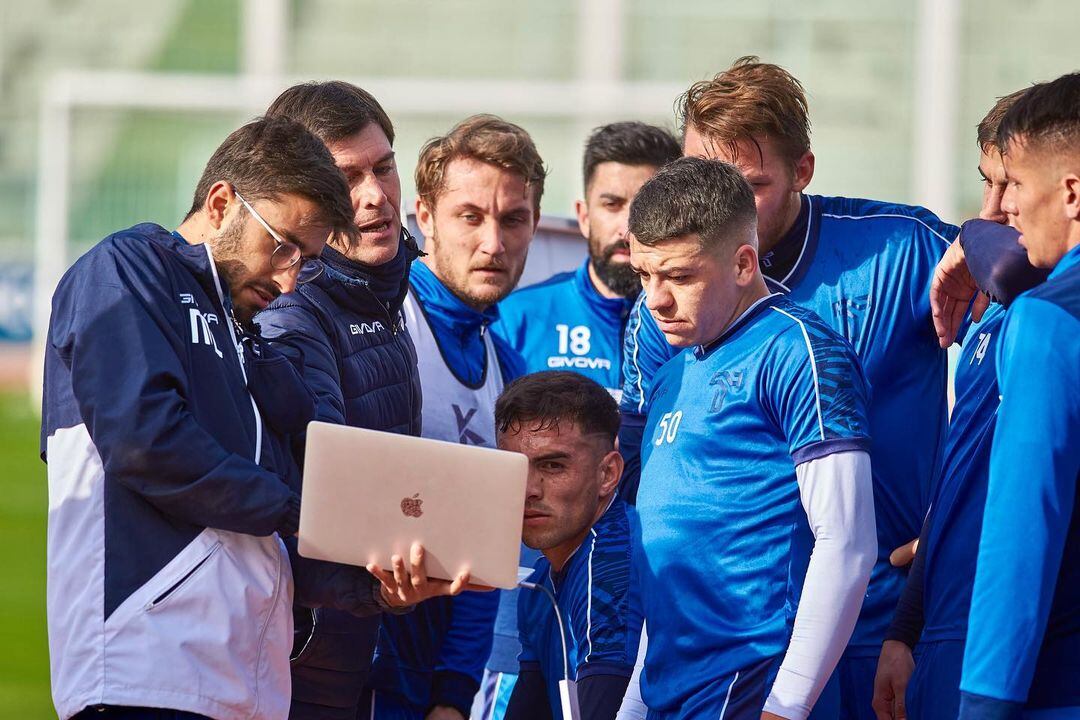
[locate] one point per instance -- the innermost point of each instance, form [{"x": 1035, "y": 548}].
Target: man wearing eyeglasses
[
  {"x": 359, "y": 361},
  {"x": 169, "y": 589}
]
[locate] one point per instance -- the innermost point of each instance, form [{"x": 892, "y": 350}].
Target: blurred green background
[
  {"x": 859, "y": 61},
  {"x": 24, "y": 665}
]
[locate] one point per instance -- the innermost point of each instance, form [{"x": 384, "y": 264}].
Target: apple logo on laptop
[{"x": 410, "y": 507}]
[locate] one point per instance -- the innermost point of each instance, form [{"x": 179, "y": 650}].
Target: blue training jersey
[
  {"x": 599, "y": 603},
  {"x": 956, "y": 509},
  {"x": 725, "y": 540},
  {"x": 564, "y": 323},
  {"x": 1024, "y": 626},
  {"x": 864, "y": 267}
]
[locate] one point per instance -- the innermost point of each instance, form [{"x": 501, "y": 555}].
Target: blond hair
[
  {"x": 750, "y": 100},
  {"x": 485, "y": 138}
]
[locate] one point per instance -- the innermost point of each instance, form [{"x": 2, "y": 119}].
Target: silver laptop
[{"x": 369, "y": 495}]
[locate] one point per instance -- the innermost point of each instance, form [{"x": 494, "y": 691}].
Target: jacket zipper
[
  {"x": 395, "y": 328},
  {"x": 163, "y": 596},
  {"x": 238, "y": 349}
]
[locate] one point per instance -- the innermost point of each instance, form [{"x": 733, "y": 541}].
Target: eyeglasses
[{"x": 286, "y": 254}]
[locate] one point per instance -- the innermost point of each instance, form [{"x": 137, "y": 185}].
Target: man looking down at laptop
[
  {"x": 168, "y": 505},
  {"x": 479, "y": 190},
  {"x": 755, "y": 453},
  {"x": 566, "y": 425}
]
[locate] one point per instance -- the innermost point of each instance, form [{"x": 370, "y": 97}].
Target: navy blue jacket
[
  {"x": 167, "y": 486},
  {"x": 361, "y": 365}
]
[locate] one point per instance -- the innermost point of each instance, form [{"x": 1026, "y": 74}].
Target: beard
[
  {"x": 231, "y": 269},
  {"x": 618, "y": 276}
]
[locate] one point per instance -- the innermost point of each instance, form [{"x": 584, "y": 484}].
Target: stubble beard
[
  {"x": 230, "y": 267},
  {"x": 458, "y": 283}
]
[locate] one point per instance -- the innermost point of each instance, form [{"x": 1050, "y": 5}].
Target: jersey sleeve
[
  {"x": 930, "y": 239},
  {"x": 1034, "y": 465},
  {"x": 529, "y": 656},
  {"x": 631, "y": 432},
  {"x": 645, "y": 350},
  {"x": 816, "y": 391},
  {"x": 605, "y": 623}
]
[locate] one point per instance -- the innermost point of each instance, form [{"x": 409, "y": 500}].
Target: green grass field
[{"x": 24, "y": 662}]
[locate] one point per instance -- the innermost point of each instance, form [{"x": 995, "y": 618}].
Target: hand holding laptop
[
  {"x": 411, "y": 510},
  {"x": 410, "y": 585}
]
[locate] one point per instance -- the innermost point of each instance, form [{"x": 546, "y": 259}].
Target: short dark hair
[
  {"x": 750, "y": 99},
  {"x": 1046, "y": 116},
  {"x": 274, "y": 156},
  {"x": 484, "y": 138},
  {"x": 986, "y": 134},
  {"x": 333, "y": 110},
  {"x": 692, "y": 196},
  {"x": 628, "y": 143},
  {"x": 544, "y": 399}
]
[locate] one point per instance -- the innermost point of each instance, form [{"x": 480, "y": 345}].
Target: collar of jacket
[
  {"x": 445, "y": 309},
  {"x": 194, "y": 257},
  {"x": 358, "y": 286}
]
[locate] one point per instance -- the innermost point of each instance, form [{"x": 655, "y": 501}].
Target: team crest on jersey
[{"x": 724, "y": 384}]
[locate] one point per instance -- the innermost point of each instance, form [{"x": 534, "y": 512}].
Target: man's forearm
[{"x": 837, "y": 494}]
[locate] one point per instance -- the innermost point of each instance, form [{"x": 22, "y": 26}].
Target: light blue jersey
[
  {"x": 599, "y": 604},
  {"x": 1023, "y": 645},
  {"x": 564, "y": 323},
  {"x": 864, "y": 267},
  {"x": 725, "y": 540}
]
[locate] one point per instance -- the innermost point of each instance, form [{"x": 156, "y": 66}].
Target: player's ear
[
  {"x": 1071, "y": 184},
  {"x": 804, "y": 171},
  {"x": 611, "y": 467},
  {"x": 746, "y": 264},
  {"x": 218, "y": 201},
  {"x": 425, "y": 218},
  {"x": 582, "y": 212}
]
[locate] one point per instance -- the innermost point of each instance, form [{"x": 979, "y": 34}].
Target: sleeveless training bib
[{"x": 452, "y": 410}]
